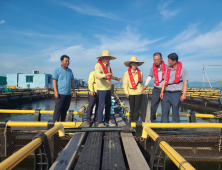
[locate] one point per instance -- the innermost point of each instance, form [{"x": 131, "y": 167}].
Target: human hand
[
  {"x": 73, "y": 94},
  {"x": 56, "y": 94},
  {"x": 182, "y": 98},
  {"x": 144, "y": 89},
  {"x": 161, "y": 95},
  {"x": 119, "y": 79},
  {"x": 92, "y": 93}
]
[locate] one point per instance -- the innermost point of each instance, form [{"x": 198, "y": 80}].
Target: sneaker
[
  {"x": 111, "y": 124},
  {"x": 97, "y": 121},
  {"x": 101, "y": 125},
  {"x": 88, "y": 122}
]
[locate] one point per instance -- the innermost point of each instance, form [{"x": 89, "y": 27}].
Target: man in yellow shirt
[
  {"x": 133, "y": 85},
  {"x": 103, "y": 74},
  {"x": 93, "y": 98}
]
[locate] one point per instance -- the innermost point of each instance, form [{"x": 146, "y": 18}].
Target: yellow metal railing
[
  {"x": 80, "y": 112},
  {"x": 186, "y": 115},
  {"x": 21, "y": 154},
  {"x": 178, "y": 160},
  {"x": 33, "y": 111},
  {"x": 42, "y": 124},
  {"x": 180, "y": 125}
]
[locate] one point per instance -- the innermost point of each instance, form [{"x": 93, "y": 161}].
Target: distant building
[
  {"x": 76, "y": 82},
  {"x": 82, "y": 82},
  {"x": 30, "y": 80}
]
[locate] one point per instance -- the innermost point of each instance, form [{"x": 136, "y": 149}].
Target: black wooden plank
[
  {"x": 134, "y": 156},
  {"x": 67, "y": 157},
  {"x": 91, "y": 153},
  {"x": 112, "y": 152}
]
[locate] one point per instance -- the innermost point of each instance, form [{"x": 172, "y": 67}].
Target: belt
[
  {"x": 174, "y": 91},
  {"x": 157, "y": 87}
]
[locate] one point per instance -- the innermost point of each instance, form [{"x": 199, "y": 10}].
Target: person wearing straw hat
[
  {"x": 103, "y": 74},
  {"x": 133, "y": 85}
]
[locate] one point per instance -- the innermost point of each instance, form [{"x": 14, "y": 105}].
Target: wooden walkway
[{"x": 102, "y": 150}]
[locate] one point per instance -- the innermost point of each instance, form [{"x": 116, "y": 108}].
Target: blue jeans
[
  {"x": 104, "y": 102},
  {"x": 171, "y": 99}
]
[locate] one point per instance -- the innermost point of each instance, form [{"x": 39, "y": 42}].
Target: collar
[
  {"x": 172, "y": 68},
  {"x": 65, "y": 69},
  {"x": 132, "y": 71},
  {"x": 107, "y": 65}
]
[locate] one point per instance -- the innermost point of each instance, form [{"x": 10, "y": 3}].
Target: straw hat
[
  {"x": 133, "y": 60},
  {"x": 105, "y": 53}
]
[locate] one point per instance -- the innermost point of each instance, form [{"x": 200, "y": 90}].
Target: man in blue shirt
[{"x": 63, "y": 79}]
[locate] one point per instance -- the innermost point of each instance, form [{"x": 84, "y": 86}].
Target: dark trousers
[
  {"x": 135, "y": 104},
  {"x": 104, "y": 102},
  {"x": 93, "y": 100},
  {"x": 154, "y": 103},
  {"x": 171, "y": 99},
  {"x": 61, "y": 107}
]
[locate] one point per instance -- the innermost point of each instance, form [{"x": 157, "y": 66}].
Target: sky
[{"x": 34, "y": 34}]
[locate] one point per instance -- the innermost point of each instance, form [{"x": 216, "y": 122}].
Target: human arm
[
  {"x": 142, "y": 80},
  {"x": 73, "y": 87},
  {"x": 162, "y": 90},
  {"x": 91, "y": 82},
  {"x": 55, "y": 88},
  {"x": 55, "y": 77},
  {"x": 146, "y": 83},
  {"x": 119, "y": 79},
  {"x": 126, "y": 84},
  {"x": 185, "y": 79},
  {"x": 183, "y": 96}
]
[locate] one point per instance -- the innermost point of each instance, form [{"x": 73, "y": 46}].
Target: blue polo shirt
[{"x": 63, "y": 78}]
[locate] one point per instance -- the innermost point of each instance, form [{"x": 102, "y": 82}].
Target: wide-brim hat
[
  {"x": 133, "y": 60},
  {"x": 105, "y": 53}
]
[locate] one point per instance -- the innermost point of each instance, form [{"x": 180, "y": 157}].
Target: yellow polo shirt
[
  {"x": 127, "y": 86},
  {"x": 101, "y": 82},
  {"x": 92, "y": 82}
]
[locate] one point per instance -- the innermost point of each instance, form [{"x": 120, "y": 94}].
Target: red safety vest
[
  {"x": 132, "y": 79},
  {"x": 155, "y": 72},
  {"x": 105, "y": 70},
  {"x": 177, "y": 75}
]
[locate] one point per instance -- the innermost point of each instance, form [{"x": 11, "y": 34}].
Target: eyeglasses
[{"x": 156, "y": 59}]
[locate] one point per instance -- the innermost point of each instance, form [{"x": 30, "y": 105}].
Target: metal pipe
[
  {"x": 33, "y": 111},
  {"x": 93, "y": 129},
  {"x": 21, "y": 154},
  {"x": 180, "y": 125},
  {"x": 185, "y": 115},
  {"x": 41, "y": 124},
  {"x": 125, "y": 129},
  {"x": 178, "y": 160}
]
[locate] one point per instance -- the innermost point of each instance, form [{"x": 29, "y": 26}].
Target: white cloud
[
  {"x": 184, "y": 35},
  {"x": 36, "y": 34},
  {"x": 165, "y": 11},
  {"x": 123, "y": 46},
  {"x": 2, "y": 22},
  {"x": 191, "y": 41},
  {"x": 87, "y": 10},
  {"x": 120, "y": 45}
]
